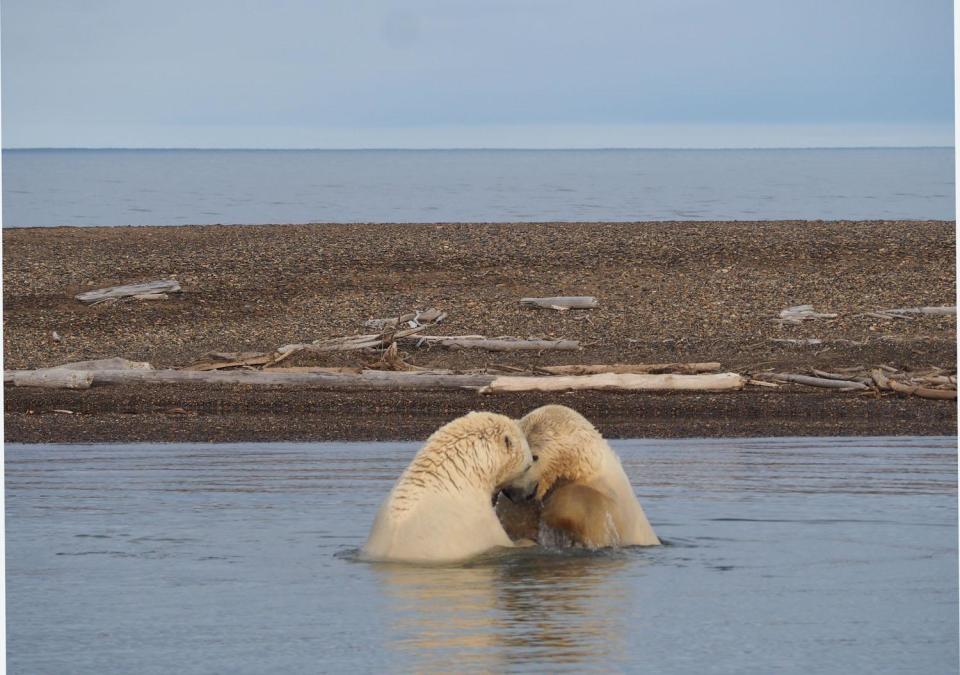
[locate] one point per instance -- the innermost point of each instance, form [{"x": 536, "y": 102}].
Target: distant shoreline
[{"x": 668, "y": 291}]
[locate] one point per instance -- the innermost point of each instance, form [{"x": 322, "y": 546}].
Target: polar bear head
[
  {"x": 480, "y": 450},
  {"x": 565, "y": 447}
]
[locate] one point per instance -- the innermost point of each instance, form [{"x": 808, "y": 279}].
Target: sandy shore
[{"x": 668, "y": 292}]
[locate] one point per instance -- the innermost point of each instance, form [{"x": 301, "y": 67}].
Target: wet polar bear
[
  {"x": 579, "y": 485},
  {"x": 441, "y": 508}
]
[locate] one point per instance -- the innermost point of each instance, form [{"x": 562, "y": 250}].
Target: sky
[{"x": 476, "y": 73}]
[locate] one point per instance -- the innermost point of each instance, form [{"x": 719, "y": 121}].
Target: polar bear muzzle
[{"x": 519, "y": 493}]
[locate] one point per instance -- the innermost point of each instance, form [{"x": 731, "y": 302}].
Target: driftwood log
[
  {"x": 862, "y": 379},
  {"x": 907, "y": 312},
  {"x": 879, "y": 377},
  {"x": 939, "y": 379},
  {"x": 562, "y": 302},
  {"x": 637, "y": 368},
  {"x": 224, "y": 360},
  {"x": 614, "y": 381},
  {"x": 75, "y": 375},
  {"x": 412, "y": 319},
  {"x": 800, "y": 313},
  {"x": 53, "y": 378},
  {"x": 830, "y": 376},
  {"x": 392, "y": 359},
  {"x": 799, "y": 342},
  {"x": 502, "y": 344},
  {"x": 356, "y": 370},
  {"x": 922, "y": 392},
  {"x": 116, "y": 292},
  {"x": 115, "y": 363},
  {"x": 220, "y": 360},
  {"x": 367, "y": 379},
  {"x": 346, "y": 344},
  {"x": 827, "y": 383},
  {"x": 384, "y": 340}
]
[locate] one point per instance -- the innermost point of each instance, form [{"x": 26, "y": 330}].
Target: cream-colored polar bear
[
  {"x": 577, "y": 485},
  {"x": 441, "y": 506}
]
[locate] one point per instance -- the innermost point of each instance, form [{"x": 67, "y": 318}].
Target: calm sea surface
[
  {"x": 782, "y": 556},
  {"x": 43, "y": 188}
]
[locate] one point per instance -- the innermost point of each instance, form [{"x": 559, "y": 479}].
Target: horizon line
[{"x": 478, "y": 148}]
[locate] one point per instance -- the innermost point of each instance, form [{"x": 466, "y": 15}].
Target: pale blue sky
[{"x": 470, "y": 73}]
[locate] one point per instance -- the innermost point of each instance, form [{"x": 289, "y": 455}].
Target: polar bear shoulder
[
  {"x": 441, "y": 506},
  {"x": 580, "y": 482}
]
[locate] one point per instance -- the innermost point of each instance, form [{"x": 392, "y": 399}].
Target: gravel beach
[{"x": 668, "y": 291}]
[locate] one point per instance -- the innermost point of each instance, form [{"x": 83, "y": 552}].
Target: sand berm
[{"x": 668, "y": 291}]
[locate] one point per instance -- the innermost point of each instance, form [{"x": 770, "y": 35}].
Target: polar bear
[
  {"x": 579, "y": 486},
  {"x": 441, "y": 508}
]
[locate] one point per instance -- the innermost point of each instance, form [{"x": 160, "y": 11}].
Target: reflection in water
[
  {"x": 510, "y": 608},
  {"x": 445, "y": 618}
]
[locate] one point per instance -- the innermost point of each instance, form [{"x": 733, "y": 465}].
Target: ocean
[
  {"x": 47, "y": 188},
  {"x": 787, "y": 555}
]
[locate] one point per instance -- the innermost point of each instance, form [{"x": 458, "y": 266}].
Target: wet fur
[
  {"x": 440, "y": 507},
  {"x": 581, "y": 487}
]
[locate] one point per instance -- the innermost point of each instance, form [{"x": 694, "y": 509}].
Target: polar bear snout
[{"x": 520, "y": 493}]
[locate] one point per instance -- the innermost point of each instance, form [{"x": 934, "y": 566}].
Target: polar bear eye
[
  {"x": 508, "y": 442},
  {"x": 535, "y": 458}
]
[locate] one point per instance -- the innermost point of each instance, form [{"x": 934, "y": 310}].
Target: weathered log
[
  {"x": 346, "y": 344},
  {"x": 799, "y": 342},
  {"x": 937, "y": 379},
  {"x": 55, "y": 378},
  {"x": 614, "y": 381},
  {"x": 366, "y": 380},
  {"x": 562, "y": 302},
  {"x": 506, "y": 344},
  {"x": 312, "y": 369},
  {"x": 829, "y": 376},
  {"x": 504, "y": 368},
  {"x": 338, "y": 344},
  {"x": 944, "y": 310},
  {"x": 413, "y": 319},
  {"x": 637, "y": 368},
  {"x": 117, "y": 292},
  {"x": 924, "y": 392},
  {"x": 115, "y": 363},
  {"x": 843, "y": 385},
  {"x": 391, "y": 359},
  {"x": 220, "y": 360},
  {"x": 923, "y": 372},
  {"x": 800, "y": 313},
  {"x": 880, "y": 378},
  {"x": 884, "y": 315}
]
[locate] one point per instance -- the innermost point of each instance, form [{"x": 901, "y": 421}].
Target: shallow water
[
  {"x": 43, "y": 188},
  {"x": 787, "y": 556}
]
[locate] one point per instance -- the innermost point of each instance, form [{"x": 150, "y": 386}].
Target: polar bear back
[
  {"x": 439, "y": 529},
  {"x": 440, "y": 508}
]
